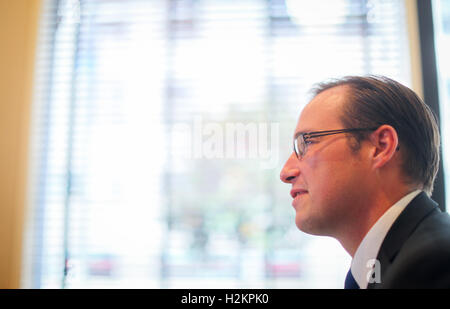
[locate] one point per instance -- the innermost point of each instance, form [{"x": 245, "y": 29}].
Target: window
[
  {"x": 441, "y": 18},
  {"x": 161, "y": 128}
]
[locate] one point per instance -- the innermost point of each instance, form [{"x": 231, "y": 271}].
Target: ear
[{"x": 385, "y": 140}]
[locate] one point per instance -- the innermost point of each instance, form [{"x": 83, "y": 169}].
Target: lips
[{"x": 297, "y": 191}]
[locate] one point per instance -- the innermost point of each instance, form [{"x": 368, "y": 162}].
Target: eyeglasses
[{"x": 302, "y": 140}]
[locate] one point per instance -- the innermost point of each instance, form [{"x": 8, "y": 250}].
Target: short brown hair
[{"x": 377, "y": 100}]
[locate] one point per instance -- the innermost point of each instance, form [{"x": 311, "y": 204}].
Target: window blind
[{"x": 129, "y": 188}]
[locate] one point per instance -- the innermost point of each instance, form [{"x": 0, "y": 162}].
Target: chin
[
  {"x": 306, "y": 226},
  {"x": 311, "y": 226}
]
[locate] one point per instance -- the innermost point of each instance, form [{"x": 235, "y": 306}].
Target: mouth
[
  {"x": 297, "y": 192},
  {"x": 297, "y": 195}
]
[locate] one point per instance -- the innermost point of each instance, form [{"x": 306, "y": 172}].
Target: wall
[{"x": 18, "y": 30}]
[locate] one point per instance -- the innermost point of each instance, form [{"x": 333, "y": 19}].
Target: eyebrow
[
  {"x": 297, "y": 134},
  {"x": 318, "y": 133},
  {"x": 313, "y": 134}
]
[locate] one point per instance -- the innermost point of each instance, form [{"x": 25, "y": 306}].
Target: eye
[{"x": 309, "y": 140}]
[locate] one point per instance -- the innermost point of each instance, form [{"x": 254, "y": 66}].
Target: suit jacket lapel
[{"x": 402, "y": 228}]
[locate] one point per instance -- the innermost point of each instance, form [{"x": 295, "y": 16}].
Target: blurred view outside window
[
  {"x": 160, "y": 129},
  {"x": 441, "y": 17}
]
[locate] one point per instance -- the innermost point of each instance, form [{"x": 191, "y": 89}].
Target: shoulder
[
  {"x": 423, "y": 259},
  {"x": 432, "y": 234}
]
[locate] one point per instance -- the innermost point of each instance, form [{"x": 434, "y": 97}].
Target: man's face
[{"x": 330, "y": 178}]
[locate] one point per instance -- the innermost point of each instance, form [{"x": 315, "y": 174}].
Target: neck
[{"x": 366, "y": 215}]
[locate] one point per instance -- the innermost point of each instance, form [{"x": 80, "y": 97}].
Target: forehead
[{"x": 323, "y": 112}]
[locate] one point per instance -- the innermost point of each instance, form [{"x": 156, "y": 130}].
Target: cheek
[
  {"x": 333, "y": 173},
  {"x": 329, "y": 182}
]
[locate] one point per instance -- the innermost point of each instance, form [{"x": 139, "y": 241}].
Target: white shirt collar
[{"x": 368, "y": 248}]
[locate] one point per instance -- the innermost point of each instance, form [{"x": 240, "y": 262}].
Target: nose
[{"x": 290, "y": 169}]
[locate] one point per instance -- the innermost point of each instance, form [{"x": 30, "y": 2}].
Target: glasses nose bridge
[{"x": 299, "y": 146}]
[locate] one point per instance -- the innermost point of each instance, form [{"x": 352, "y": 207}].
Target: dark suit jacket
[{"x": 416, "y": 251}]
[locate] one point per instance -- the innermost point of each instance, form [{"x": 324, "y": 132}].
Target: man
[{"x": 366, "y": 153}]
